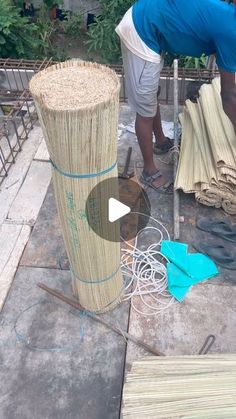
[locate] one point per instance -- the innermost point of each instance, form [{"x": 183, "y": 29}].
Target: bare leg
[
  {"x": 157, "y": 128},
  {"x": 144, "y": 129}
]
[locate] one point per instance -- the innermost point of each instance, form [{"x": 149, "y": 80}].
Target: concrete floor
[{"x": 58, "y": 364}]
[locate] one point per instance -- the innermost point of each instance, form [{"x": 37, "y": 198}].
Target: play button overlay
[
  {"x": 117, "y": 210},
  {"x": 113, "y": 207}
]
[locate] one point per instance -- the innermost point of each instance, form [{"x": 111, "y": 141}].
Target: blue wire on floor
[{"x": 58, "y": 349}]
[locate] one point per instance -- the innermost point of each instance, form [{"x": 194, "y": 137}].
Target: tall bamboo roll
[{"x": 78, "y": 104}]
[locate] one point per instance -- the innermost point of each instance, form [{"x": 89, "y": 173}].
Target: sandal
[
  {"x": 219, "y": 228},
  {"x": 162, "y": 149},
  {"x": 218, "y": 253},
  {"x": 148, "y": 180}
]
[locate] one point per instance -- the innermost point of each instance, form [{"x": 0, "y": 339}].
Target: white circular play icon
[{"x": 116, "y": 210}]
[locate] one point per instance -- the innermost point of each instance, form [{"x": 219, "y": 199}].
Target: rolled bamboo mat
[
  {"x": 192, "y": 387},
  {"x": 207, "y": 163},
  {"x": 78, "y": 105}
]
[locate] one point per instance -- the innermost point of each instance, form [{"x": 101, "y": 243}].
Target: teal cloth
[{"x": 185, "y": 269}]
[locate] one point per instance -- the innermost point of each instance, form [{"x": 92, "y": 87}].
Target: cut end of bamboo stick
[{"x": 74, "y": 85}]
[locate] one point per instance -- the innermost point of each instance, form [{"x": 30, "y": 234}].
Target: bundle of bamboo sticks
[
  {"x": 78, "y": 104},
  {"x": 207, "y": 163},
  {"x": 181, "y": 387}
]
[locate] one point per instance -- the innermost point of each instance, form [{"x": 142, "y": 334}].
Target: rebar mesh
[{"x": 17, "y": 110}]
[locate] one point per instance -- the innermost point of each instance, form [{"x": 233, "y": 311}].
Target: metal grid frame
[
  {"x": 17, "y": 123},
  {"x": 185, "y": 76},
  {"x": 14, "y": 131}
]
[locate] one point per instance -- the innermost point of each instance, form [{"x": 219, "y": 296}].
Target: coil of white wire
[{"x": 145, "y": 271}]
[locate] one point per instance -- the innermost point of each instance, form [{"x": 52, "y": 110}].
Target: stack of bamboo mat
[
  {"x": 192, "y": 387},
  {"x": 78, "y": 105},
  {"x": 207, "y": 161}
]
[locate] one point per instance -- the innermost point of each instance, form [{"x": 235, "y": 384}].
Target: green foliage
[
  {"x": 21, "y": 39},
  {"x": 186, "y": 62},
  {"x": 45, "y": 32},
  {"x": 17, "y": 36},
  {"x": 17, "y": 3},
  {"x": 191, "y": 62},
  {"x": 101, "y": 35},
  {"x": 168, "y": 59},
  {"x": 72, "y": 24},
  {"x": 50, "y": 3}
]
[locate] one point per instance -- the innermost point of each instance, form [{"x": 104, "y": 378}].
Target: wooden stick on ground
[{"x": 77, "y": 306}]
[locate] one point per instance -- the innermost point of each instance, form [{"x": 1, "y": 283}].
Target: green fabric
[{"x": 185, "y": 269}]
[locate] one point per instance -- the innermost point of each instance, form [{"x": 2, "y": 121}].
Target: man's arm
[{"x": 228, "y": 95}]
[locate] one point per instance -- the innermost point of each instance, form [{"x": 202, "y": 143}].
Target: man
[{"x": 186, "y": 27}]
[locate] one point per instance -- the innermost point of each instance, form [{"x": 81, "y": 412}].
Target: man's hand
[{"x": 228, "y": 95}]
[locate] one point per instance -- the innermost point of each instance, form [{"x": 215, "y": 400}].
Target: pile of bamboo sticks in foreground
[
  {"x": 207, "y": 161},
  {"x": 78, "y": 104},
  {"x": 181, "y": 387}
]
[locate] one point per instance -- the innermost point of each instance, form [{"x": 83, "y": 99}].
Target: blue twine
[
  {"x": 97, "y": 281},
  {"x": 82, "y": 176},
  {"x": 60, "y": 349},
  {"x": 23, "y": 339}
]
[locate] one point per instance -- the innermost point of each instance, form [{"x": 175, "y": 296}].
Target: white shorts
[{"x": 141, "y": 82}]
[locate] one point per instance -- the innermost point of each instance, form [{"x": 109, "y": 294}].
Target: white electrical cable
[
  {"x": 170, "y": 156},
  {"x": 146, "y": 272}
]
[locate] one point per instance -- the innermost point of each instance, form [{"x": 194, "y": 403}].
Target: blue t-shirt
[{"x": 189, "y": 27}]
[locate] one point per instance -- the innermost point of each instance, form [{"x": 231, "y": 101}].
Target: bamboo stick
[
  {"x": 207, "y": 157},
  {"x": 181, "y": 386},
  {"x": 176, "y": 198},
  {"x": 78, "y": 105}
]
